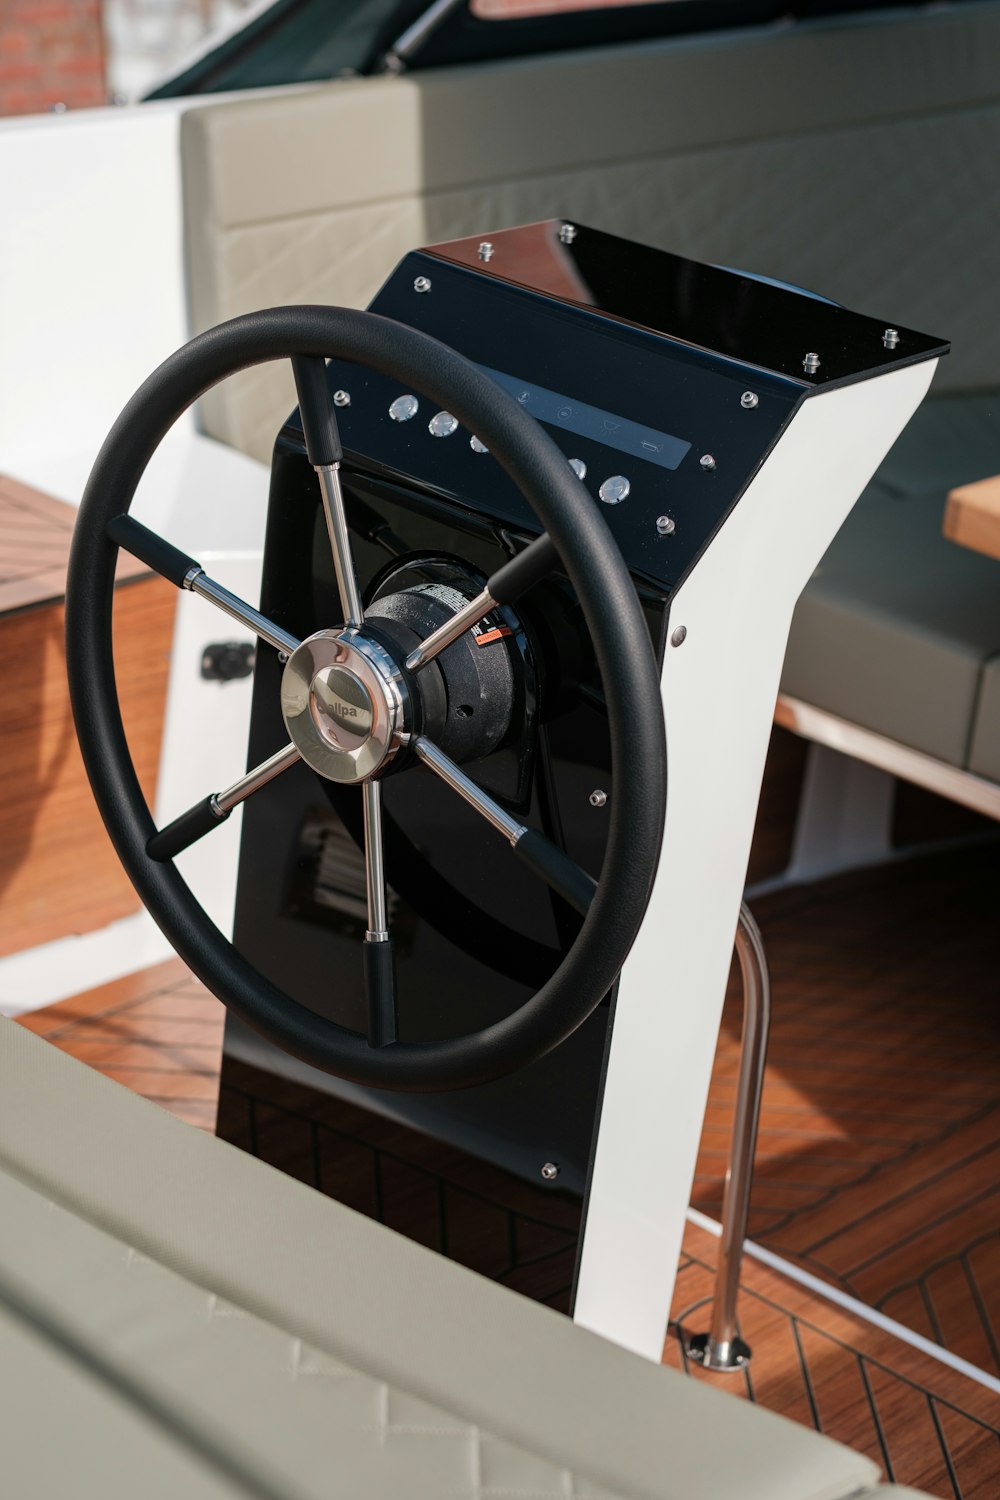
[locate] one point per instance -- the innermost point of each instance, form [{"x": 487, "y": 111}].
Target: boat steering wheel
[{"x": 356, "y": 705}]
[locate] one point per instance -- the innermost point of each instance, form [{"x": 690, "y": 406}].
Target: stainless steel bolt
[
  {"x": 422, "y": 284},
  {"x": 598, "y": 798},
  {"x": 341, "y": 398},
  {"x": 282, "y": 657},
  {"x": 550, "y": 1171},
  {"x": 749, "y": 400},
  {"x": 810, "y": 364},
  {"x": 707, "y": 462},
  {"x": 679, "y": 636},
  {"x": 486, "y": 251},
  {"x": 891, "y": 338},
  {"x": 666, "y": 525},
  {"x": 567, "y": 233}
]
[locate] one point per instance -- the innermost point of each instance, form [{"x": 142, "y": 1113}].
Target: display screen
[{"x": 591, "y": 422}]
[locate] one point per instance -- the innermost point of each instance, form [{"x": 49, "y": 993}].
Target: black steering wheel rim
[{"x": 610, "y": 607}]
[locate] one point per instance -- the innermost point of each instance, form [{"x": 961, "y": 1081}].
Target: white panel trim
[
  {"x": 719, "y": 691},
  {"x": 849, "y": 739}
]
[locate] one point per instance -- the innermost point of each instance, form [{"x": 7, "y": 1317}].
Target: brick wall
[{"x": 51, "y": 52}]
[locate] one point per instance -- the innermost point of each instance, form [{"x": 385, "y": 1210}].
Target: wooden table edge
[{"x": 972, "y": 516}]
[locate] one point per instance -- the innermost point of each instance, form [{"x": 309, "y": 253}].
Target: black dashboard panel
[
  {"x": 646, "y": 368},
  {"x": 755, "y": 320},
  {"x": 601, "y": 390},
  {"x": 668, "y": 381}
]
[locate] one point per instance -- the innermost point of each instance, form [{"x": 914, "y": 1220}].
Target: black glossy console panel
[
  {"x": 752, "y": 320},
  {"x": 673, "y": 378},
  {"x": 601, "y": 389},
  {"x": 475, "y": 934}
]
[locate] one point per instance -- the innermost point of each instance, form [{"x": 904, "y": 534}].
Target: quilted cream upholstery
[
  {"x": 164, "y": 1286},
  {"x": 246, "y": 1397},
  {"x": 849, "y": 156}
]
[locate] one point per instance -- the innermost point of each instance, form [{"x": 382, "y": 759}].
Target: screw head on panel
[
  {"x": 485, "y": 250},
  {"x": 341, "y": 398},
  {"x": 810, "y": 363},
  {"x": 598, "y": 798},
  {"x": 422, "y": 284},
  {"x": 749, "y": 400},
  {"x": 550, "y": 1171},
  {"x": 666, "y": 525},
  {"x": 679, "y": 636},
  {"x": 708, "y": 462},
  {"x": 891, "y": 338},
  {"x": 567, "y": 233}
]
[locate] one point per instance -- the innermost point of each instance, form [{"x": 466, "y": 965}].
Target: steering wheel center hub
[{"x": 343, "y": 704}]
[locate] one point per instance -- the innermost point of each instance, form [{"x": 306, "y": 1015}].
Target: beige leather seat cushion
[
  {"x": 852, "y": 155},
  {"x": 984, "y": 751},
  {"x": 896, "y": 629},
  {"x": 167, "y": 1290}
]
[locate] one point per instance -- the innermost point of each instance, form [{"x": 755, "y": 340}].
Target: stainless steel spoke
[
  {"x": 544, "y": 858},
  {"x": 192, "y": 825},
  {"x": 520, "y": 573},
  {"x": 206, "y": 588},
  {"x": 340, "y": 542},
  {"x": 253, "y": 780},
  {"x": 474, "y": 795},
  {"x": 378, "y": 915},
  {"x": 439, "y": 640},
  {"x": 379, "y": 953},
  {"x": 185, "y": 573}
]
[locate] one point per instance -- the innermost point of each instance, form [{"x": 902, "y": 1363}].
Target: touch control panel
[
  {"x": 663, "y": 437},
  {"x": 664, "y": 381}
]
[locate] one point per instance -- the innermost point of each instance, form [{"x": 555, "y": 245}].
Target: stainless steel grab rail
[{"x": 722, "y": 1348}]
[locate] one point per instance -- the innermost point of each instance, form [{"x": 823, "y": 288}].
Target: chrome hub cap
[{"x": 342, "y": 702}]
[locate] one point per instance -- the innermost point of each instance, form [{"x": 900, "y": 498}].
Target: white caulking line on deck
[{"x": 853, "y": 1306}]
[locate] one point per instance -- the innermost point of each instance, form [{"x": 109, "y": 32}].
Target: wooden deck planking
[
  {"x": 59, "y": 874},
  {"x": 924, "y": 1423}
]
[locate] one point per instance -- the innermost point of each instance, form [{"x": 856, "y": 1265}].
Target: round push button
[
  {"x": 477, "y": 446},
  {"x": 614, "y": 490},
  {"x": 442, "y": 425},
  {"x": 403, "y": 408},
  {"x": 579, "y": 467}
]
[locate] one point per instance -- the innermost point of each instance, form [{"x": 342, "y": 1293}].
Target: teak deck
[
  {"x": 876, "y": 1167},
  {"x": 58, "y": 872}
]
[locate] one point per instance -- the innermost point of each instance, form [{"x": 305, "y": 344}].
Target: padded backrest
[{"x": 857, "y": 157}]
